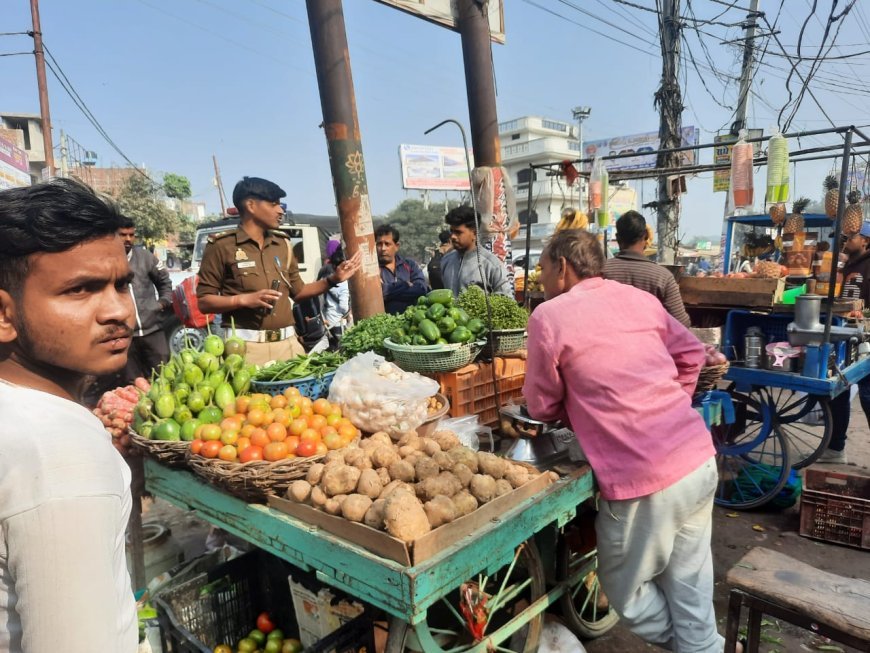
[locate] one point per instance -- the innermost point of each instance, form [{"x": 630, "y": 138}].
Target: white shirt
[{"x": 64, "y": 505}]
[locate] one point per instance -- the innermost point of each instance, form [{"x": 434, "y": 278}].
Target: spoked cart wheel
[
  {"x": 584, "y": 605},
  {"x": 752, "y": 456},
  {"x": 805, "y": 421},
  {"x": 498, "y": 599}
]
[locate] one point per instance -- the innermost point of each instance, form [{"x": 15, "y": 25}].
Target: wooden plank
[
  {"x": 405, "y": 592},
  {"x": 716, "y": 291},
  {"x": 843, "y": 603}
]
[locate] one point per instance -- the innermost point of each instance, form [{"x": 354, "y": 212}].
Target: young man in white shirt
[{"x": 65, "y": 313}]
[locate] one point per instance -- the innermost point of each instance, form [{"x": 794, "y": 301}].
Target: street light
[{"x": 580, "y": 114}]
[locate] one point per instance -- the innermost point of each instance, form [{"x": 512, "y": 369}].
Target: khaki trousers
[{"x": 261, "y": 353}]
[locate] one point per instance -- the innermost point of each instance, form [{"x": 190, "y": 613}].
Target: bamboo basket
[
  {"x": 710, "y": 376},
  {"x": 172, "y": 453}
]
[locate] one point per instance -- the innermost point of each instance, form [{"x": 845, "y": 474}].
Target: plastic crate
[
  {"x": 470, "y": 389},
  {"x": 835, "y": 506},
  {"x": 772, "y": 325}
]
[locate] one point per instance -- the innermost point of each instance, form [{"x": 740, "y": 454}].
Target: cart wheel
[
  {"x": 749, "y": 478},
  {"x": 584, "y": 606},
  {"x": 511, "y": 589},
  {"x": 805, "y": 421}
]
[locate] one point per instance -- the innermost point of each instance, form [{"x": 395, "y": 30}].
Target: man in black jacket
[{"x": 152, "y": 297}]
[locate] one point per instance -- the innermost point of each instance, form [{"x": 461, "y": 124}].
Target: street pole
[
  {"x": 220, "y": 186},
  {"x": 580, "y": 114},
  {"x": 64, "y": 162},
  {"x": 746, "y": 72},
  {"x": 44, "y": 112},
  {"x": 343, "y": 141},
  {"x": 669, "y": 100}
]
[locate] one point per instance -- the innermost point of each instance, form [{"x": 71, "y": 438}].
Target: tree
[
  {"x": 418, "y": 226},
  {"x": 176, "y": 186},
  {"x": 142, "y": 200}
]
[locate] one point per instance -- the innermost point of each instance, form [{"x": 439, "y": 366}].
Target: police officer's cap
[{"x": 261, "y": 189}]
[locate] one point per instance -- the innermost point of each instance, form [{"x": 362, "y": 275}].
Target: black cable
[{"x": 15, "y": 54}]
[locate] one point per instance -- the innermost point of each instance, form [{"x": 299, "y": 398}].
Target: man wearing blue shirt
[{"x": 402, "y": 280}]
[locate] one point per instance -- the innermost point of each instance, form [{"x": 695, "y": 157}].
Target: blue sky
[{"x": 174, "y": 82}]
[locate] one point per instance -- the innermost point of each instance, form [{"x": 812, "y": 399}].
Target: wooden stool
[{"x": 782, "y": 587}]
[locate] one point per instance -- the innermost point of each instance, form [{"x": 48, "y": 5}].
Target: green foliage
[
  {"x": 176, "y": 186},
  {"x": 369, "y": 334},
  {"x": 418, "y": 226},
  {"x": 142, "y": 200},
  {"x": 506, "y": 313}
]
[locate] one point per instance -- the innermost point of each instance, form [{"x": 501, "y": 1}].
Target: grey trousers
[{"x": 656, "y": 566}]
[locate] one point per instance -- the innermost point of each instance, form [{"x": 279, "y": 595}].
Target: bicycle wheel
[
  {"x": 507, "y": 593},
  {"x": 751, "y": 478},
  {"x": 584, "y": 605},
  {"x": 805, "y": 421}
]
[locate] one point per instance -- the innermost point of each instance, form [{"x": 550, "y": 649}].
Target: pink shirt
[{"x": 610, "y": 358}]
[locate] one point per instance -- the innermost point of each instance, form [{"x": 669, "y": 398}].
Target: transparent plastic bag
[
  {"x": 468, "y": 429},
  {"x": 379, "y": 396}
]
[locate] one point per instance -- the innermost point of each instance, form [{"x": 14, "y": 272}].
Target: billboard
[
  {"x": 430, "y": 167},
  {"x": 639, "y": 144},
  {"x": 446, "y": 13},
  {"x": 14, "y": 166}
]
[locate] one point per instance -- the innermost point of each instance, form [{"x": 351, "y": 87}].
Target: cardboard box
[
  {"x": 319, "y": 613},
  {"x": 411, "y": 553}
]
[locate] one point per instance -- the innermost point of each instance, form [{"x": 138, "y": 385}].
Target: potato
[
  {"x": 332, "y": 506},
  {"x": 299, "y": 491},
  {"x": 430, "y": 447},
  {"x": 358, "y": 458},
  {"x": 440, "y": 510},
  {"x": 411, "y": 439},
  {"x": 465, "y": 456},
  {"x": 383, "y": 475},
  {"x": 517, "y": 476},
  {"x": 445, "y": 484},
  {"x": 404, "y": 516},
  {"x": 396, "y": 485},
  {"x": 383, "y": 456},
  {"x": 425, "y": 468},
  {"x": 318, "y": 497},
  {"x": 408, "y": 451},
  {"x": 339, "y": 479},
  {"x": 447, "y": 440},
  {"x": 503, "y": 486},
  {"x": 374, "y": 516},
  {"x": 463, "y": 473},
  {"x": 369, "y": 484},
  {"x": 482, "y": 487},
  {"x": 489, "y": 463},
  {"x": 314, "y": 473},
  {"x": 382, "y": 438},
  {"x": 464, "y": 503},
  {"x": 336, "y": 455},
  {"x": 354, "y": 508},
  {"x": 445, "y": 462},
  {"x": 368, "y": 444},
  {"x": 402, "y": 470}
]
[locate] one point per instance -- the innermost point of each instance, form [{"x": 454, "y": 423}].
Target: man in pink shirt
[{"x": 609, "y": 359}]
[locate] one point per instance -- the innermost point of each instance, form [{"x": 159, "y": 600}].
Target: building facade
[{"x": 24, "y": 130}]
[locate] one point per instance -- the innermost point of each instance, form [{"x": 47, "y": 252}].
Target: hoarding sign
[
  {"x": 722, "y": 154},
  {"x": 14, "y": 166},
  {"x": 446, "y": 13},
  {"x": 639, "y": 144},
  {"x": 430, "y": 167}
]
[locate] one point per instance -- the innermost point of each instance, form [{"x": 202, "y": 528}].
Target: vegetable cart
[{"x": 494, "y": 582}]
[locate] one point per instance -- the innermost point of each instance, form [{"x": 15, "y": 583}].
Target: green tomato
[
  {"x": 213, "y": 345},
  {"x": 188, "y": 429},
  {"x": 168, "y": 430},
  {"x": 257, "y": 636},
  {"x": 276, "y": 634},
  {"x": 195, "y": 401}
]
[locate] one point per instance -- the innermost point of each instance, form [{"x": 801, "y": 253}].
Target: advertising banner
[
  {"x": 14, "y": 166},
  {"x": 639, "y": 144},
  {"x": 445, "y": 12},
  {"x": 430, "y": 167}
]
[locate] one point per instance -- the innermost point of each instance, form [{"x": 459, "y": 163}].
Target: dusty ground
[{"x": 732, "y": 537}]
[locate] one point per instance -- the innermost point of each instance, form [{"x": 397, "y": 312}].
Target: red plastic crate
[
  {"x": 471, "y": 391},
  {"x": 835, "y": 505}
]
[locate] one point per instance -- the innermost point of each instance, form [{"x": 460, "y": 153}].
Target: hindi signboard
[
  {"x": 640, "y": 145},
  {"x": 14, "y": 166},
  {"x": 446, "y": 13},
  {"x": 431, "y": 167}
]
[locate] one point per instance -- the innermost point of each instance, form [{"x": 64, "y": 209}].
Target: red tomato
[{"x": 264, "y": 623}]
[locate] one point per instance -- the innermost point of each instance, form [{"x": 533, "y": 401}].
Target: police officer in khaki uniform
[{"x": 250, "y": 275}]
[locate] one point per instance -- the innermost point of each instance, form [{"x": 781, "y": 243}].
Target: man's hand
[
  {"x": 349, "y": 268},
  {"x": 259, "y": 299}
]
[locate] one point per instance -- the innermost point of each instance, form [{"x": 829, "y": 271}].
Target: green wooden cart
[{"x": 508, "y": 573}]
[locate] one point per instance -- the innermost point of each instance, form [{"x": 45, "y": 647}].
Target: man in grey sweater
[{"x": 459, "y": 267}]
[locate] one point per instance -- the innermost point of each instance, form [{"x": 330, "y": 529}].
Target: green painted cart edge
[{"x": 404, "y": 592}]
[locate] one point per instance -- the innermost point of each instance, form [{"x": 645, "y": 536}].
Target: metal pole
[
  {"x": 670, "y": 104},
  {"x": 44, "y": 112},
  {"x": 746, "y": 72},
  {"x": 529, "y": 236},
  {"x": 343, "y": 140},
  {"x": 838, "y": 225},
  {"x": 220, "y": 186},
  {"x": 479, "y": 83},
  {"x": 64, "y": 165}
]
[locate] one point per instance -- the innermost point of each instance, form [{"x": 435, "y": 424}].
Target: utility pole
[
  {"x": 220, "y": 186},
  {"x": 580, "y": 114},
  {"x": 669, "y": 101},
  {"x": 64, "y": 161},
  {"x": 343, "y": 141},
  {"x": 44, "y": 112},
  {"x": 746, "y": 72}
]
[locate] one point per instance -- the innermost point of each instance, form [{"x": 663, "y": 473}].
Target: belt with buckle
[{"x": 265, "y": 335}]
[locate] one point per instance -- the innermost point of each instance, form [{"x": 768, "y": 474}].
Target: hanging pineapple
[
  {"x": 767, "y": 270},
  {"x": 777, "y": 213},
  {"x": 854, "y": 216},
  {"x": 832, "y": 195},
  {"x": 794, "y": 223}
]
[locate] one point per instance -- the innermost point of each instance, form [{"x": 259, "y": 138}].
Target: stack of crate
[{"x": 835, "y": 505}]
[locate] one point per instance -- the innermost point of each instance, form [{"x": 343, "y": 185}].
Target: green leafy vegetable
[
  {"x": 506, "y": 313},
  {"x": 369, "y": 334},
  {"x": 301, "y": 366}
]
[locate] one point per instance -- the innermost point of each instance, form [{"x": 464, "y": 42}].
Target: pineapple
[
  {"x": 854, "y": 216},
  {"x": 795, "y": 222},
  {"x": 767, "y": 270},
  {"x": 832, "y": 195},
  {"x": 777, "y": 213}
]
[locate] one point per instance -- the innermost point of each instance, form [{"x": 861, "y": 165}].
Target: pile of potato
[{"x": 410, "y": 486}]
